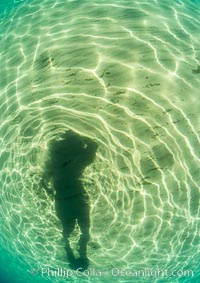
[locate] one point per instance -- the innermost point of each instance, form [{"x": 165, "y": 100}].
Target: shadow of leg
[
  {"x": 83, "y": 261},
  {"x": 70, "y": 256},
  {"x": 83, "y": 241},
  {"x": 67, "y": 229}
]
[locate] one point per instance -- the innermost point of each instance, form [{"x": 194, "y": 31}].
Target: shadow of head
[{"x": 71, "y": 154}]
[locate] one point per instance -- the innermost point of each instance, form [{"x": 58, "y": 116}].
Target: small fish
[{"x": 197, "y": 71}]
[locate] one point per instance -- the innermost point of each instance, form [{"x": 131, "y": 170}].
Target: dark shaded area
[
  {"x": 68, "y": 157},
  {"x": 8, "y": 276},
  {"x": 197, "y": 71},
  {"x": 4, "y": 279}
]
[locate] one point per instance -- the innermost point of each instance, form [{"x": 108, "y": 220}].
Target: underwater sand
[{"x": 126, "y": 74}]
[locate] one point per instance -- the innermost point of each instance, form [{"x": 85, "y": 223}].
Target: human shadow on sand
[{"x": 68, "y": 157}]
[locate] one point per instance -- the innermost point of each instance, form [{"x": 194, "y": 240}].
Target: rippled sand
[{"x": 126, "y": 74}]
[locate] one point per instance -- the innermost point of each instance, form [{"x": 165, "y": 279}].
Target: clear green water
[{"x": 125, "y": 73}]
